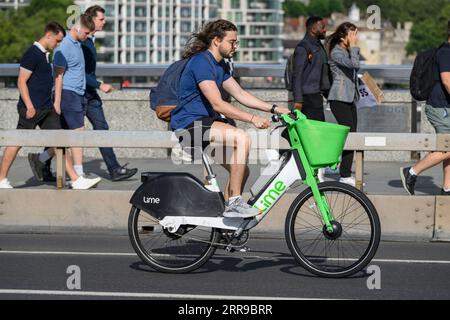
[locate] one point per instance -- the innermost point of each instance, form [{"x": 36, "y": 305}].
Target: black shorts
[
  {"x": 44, "y": 118},
  {"x": 197, "y": 133}
]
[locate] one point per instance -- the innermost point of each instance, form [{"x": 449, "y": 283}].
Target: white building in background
[
  {"x": 260, "y": 29},
  {"x": 156, "y": 31},
  {"x": 13, "y": 4},
  {"x": 149, "y": 31}
]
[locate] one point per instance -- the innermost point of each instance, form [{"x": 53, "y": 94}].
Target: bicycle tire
[
  {"x": 323, "y": 261},
  {"x": 190, "y": 256}
]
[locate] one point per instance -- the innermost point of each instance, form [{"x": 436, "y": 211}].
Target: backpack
[
  {"x": 164, "y": 97},
  {"x": 422, "y": 77}
]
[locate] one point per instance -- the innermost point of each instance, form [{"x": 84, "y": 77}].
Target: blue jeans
[{"x": 96, "y": 116}]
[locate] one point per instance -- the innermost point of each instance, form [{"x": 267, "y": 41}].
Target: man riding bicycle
[{"x": 201, "y": 106}]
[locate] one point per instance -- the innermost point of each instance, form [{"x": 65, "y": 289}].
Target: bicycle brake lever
[{"x": 280, "y": 126}]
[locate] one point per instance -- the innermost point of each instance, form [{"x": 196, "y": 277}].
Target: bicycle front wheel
[
  {"x": 355, "y": 237},
  {"x": 182, "y": 251}
]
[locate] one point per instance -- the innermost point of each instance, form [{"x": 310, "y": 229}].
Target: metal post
[
  {"x": 60, "y": 168},
  {"x": 415, "y": 155},
  {"x": 359, "y": 170}
]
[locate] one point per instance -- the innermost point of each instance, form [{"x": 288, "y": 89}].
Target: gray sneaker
[
  {"x": 36, "y": 166},
  {"x": 239, "y": 209}
]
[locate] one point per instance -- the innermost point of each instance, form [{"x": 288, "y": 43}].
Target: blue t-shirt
[
  {"x": 439, "y": 97},
  {"x": 193, "y": 105},
  {"x": 69, "y": 56},
  {"x": 40, "y": 82}
]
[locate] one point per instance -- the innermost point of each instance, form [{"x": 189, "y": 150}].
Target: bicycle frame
[{"x": 296, "y": 168}]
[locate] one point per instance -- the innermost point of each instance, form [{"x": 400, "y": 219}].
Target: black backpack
[{"x": 422, "y": 77}]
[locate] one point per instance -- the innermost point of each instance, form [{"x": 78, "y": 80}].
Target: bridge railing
[{"x": 360, "y": 142}]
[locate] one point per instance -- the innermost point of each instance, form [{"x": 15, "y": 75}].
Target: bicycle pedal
[
  {"x": 230, "y": 249},
  {"x": 244, "y": 249}
]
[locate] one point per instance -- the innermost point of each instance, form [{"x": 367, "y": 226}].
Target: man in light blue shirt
[
  {"x": 69, "y": 57},
  {"x": 70, "y": 81}
]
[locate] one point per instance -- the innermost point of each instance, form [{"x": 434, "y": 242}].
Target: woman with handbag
[{"x": 344, "y": 65}]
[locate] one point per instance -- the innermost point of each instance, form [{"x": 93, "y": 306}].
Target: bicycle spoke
[{"x": 340, "y": 251}]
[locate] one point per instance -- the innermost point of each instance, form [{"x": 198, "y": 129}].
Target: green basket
[{"x": 323, "y": 142}]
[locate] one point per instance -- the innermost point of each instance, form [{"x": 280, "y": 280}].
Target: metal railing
[
  {"x": 360, "y": 142},
  {"x": 389, "y": 73}
]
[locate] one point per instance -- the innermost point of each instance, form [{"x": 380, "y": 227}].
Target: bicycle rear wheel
[
  {"x": 183, "y": 251},
  {"x": 355, "y": 237}
]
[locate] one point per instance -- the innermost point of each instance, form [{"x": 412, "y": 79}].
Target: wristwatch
[{"x": 273, "y": 108}]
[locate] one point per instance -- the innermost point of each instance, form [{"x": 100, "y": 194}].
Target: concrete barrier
[
  {"x": 442, "y": 225},
  {"x": 39, "y": 210}
]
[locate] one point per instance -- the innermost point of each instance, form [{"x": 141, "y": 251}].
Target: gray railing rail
[
  {"x": 360, "y": 142},
  {"x": 389, "y": 73}
]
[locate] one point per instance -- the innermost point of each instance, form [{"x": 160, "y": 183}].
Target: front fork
[
  {"x": 319, "y": 197},
  {"x": 321, "y": 201}
]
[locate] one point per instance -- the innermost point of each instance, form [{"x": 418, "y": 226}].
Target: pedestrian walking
[
  {"x": 344, "y": 65},
  {"x": 35, "y": 106},
  {"x": 94, "y": 106},
  {"x": 70, "y": 82},
  {"x": 437, "y": 110},
  {"x": 310, "y": 78}
]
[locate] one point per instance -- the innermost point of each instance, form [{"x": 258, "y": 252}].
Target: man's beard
[{"x": 227, "y": 55}]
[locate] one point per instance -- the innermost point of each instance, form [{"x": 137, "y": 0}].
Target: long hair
[
  {"x": 340, "y": 33},
  {"x": 201, "y": 40}
]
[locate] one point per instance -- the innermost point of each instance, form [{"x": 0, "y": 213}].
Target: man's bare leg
[
  {"x": 77, "y": 154},
  {"x": 432, "y": 159},
  {"x": 446, "y": 165},
  {"x": 240, "y": 142},
  {"x": 9, "y": 155}
]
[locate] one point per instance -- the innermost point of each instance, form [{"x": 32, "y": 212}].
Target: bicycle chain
[{"x": 229, "y": 245}]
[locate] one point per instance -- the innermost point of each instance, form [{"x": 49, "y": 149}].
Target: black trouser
[
  {"x": 345, "y": 114},
  {"x": 313, "y": 106}
]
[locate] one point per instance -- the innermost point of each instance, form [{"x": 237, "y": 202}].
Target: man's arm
[
  {"x": 59, "y": 74},
  {"x": 299, "y": 65},
  {"x": 445, "y": 78},
  {"x": 92, "y": 82},
  {"x": 247, "y": 99},
  {"x": 24, "y": 76},
  {"x": 212, "y": 93}
]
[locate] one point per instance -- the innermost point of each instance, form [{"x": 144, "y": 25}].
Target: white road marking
[
  {"x": 130, "y": 254},
  {"x": 68, "y": 253},
  {"x": 141, "y": 295}
]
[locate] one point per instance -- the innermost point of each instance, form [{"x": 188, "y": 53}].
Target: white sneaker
[
  {"x": 4, "y": 184},
  {"x": 239, "y": 209},
  {"x": 350, "y": 180},
  {"x": 178, "y": 153},
  {"x": 84, "y": 183}
]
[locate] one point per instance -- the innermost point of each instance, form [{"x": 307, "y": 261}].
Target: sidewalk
[{"x": 381, "y": 178}]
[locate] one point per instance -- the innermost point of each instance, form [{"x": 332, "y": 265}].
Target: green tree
[
  {"x": 294, "y": 8},
  {"x": 325, "y": 8},
  {"x": 20, "y": 28},
  {"x": 429, "y": 33},
  {"x": 429, "y": 18}
]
